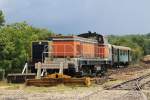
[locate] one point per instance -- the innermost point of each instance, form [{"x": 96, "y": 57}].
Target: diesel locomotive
[{"x": 87, "y": 54}]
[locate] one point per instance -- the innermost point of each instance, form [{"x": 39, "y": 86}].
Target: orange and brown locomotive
[{"x": 87, "y": 54}]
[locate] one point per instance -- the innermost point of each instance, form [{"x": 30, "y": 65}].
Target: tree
[
  {"x": 16, "y": 42},
  {"x": 2, "y": 20}
]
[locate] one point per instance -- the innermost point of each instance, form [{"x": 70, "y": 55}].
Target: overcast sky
[{"x": 77, "y": 16}]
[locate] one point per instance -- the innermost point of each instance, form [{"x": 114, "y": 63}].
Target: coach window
[
  {"x": 124, "y": 53},
  {"x": 121, "y": 52},
  {"x": 115, "y": 52}
]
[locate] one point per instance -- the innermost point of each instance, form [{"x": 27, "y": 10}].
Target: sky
[{"x": 79, "y": 16}]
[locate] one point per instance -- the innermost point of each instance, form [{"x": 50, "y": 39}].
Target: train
[{"x": 86, "y": 54}]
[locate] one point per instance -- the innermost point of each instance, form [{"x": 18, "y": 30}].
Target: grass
[
  {"x": 10, "y": 86},
  {"x": 3, "y": 83},
  {"x": 59, "y": 88}
]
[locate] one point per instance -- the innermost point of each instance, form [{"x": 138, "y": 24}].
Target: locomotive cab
[{"x": 37, "y": 49}]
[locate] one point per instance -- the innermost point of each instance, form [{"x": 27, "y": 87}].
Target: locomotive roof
[
  {"x": 86, "y": 37},
  {"x": 121, "y": 47},
  {"x": 77, "y": 38},
  {"x": 63, "y": 36},
  {"x": 89, "y": 34}
]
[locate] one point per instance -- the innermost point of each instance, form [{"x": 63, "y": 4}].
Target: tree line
[
  {"x": 16, "y": 39},
  {"x": 15, "y": 43}
]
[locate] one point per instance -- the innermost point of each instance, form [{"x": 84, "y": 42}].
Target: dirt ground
[{"x": 94, "y": 92}]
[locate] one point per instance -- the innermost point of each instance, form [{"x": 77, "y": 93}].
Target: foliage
[
  {"x": 2, "y": 20},
  {"x": 15, "y": 44}
]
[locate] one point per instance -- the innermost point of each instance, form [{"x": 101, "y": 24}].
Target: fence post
[
  {"x": 3, "y": 74},
  {"x": 3, "y": 71}
]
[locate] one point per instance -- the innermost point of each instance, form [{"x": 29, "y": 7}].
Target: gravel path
[{"x": 101, "y": 95}]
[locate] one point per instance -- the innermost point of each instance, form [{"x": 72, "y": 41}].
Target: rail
[{"x": 133, "y": 93}]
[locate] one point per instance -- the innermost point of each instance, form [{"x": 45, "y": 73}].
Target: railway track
[{"x": 134, "y": 84}]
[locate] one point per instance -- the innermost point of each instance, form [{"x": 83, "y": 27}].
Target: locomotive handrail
[
  {"x": 45, "y": 48},
  {"x": 64, "y": 50},
  {"x": 70, "y": 49}
]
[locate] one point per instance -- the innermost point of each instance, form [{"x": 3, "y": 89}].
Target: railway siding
[{"x": 132, "y": 84}]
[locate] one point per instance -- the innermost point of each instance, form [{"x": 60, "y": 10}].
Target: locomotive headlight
[{"x": 40, "y": 43}]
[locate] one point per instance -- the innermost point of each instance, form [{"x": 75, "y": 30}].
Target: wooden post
[
  {"x": 61, "y": 68},
  {"x": 27, "y": 69},
  {"x": 39, "y": 70},
  {"x": 3, "y": 73}
]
